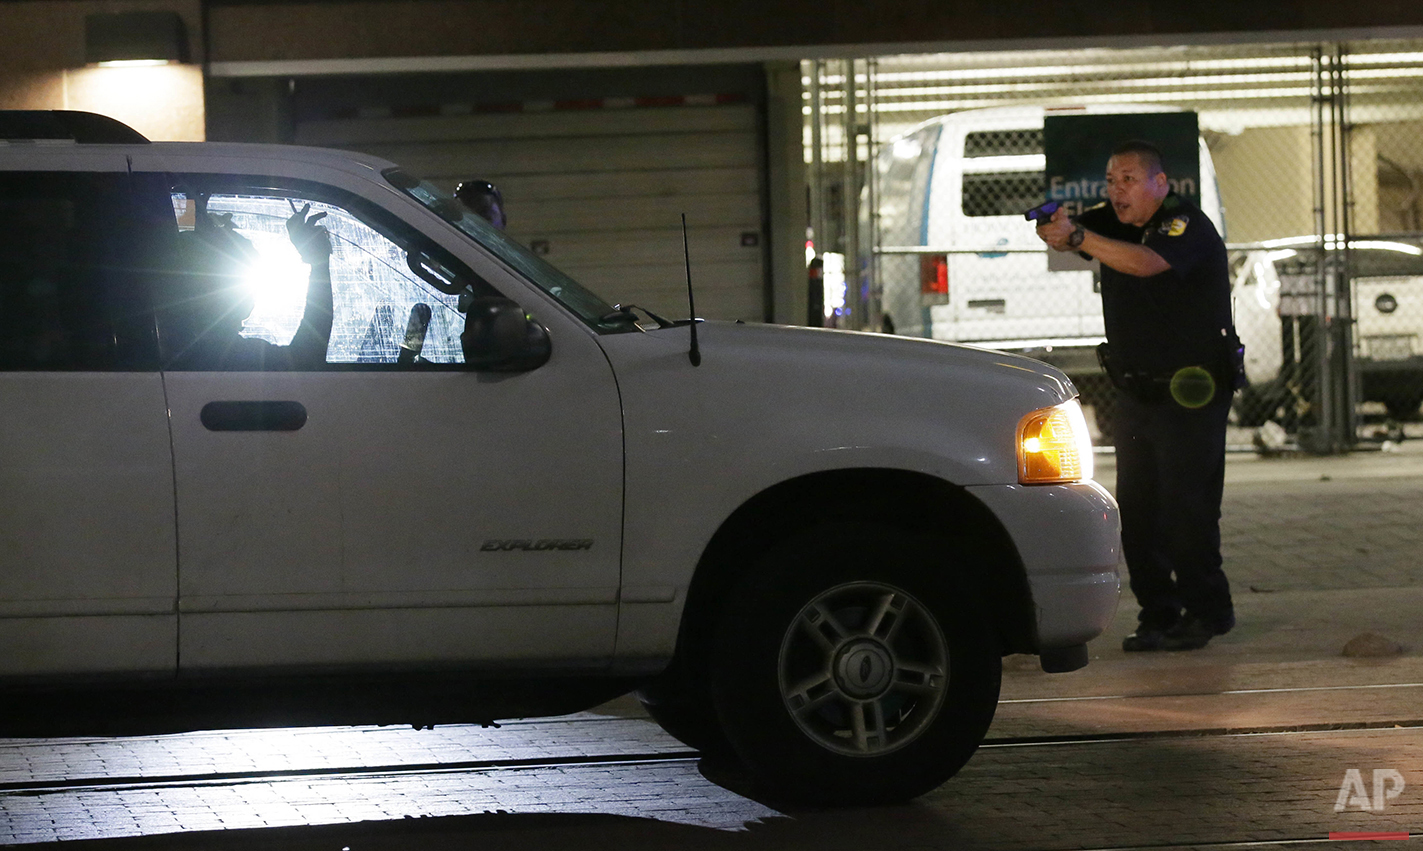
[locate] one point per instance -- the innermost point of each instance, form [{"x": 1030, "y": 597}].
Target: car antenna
[{"x": 695, "y": 355}]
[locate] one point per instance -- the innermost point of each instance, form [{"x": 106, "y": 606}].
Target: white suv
[{"x": 489, "y": 492}]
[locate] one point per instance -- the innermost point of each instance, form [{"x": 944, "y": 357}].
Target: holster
[
  {"x": 1228, "y": 372},
  {"x": 1142, "y": 386},
  {"x": 1234, "y": 376},
  {"x": 1109, "y": 365}
]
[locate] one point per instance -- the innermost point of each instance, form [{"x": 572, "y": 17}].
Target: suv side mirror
[{"x": 499, "y": 337}]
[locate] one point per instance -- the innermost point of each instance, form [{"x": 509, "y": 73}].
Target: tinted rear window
[{"x": 68, "y": 274}]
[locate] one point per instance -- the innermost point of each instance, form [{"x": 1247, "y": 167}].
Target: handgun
[{"x": 1042, "y": 214}]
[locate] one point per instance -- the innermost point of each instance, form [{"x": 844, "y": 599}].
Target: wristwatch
[{"x": 1074, "y": 239}]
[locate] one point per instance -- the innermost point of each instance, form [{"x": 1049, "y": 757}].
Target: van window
[
  {"x": 66, "y": 272},
  {"x": 1007, "y": 193},
  {"x": 394, "y": 296},
  {"x": 1003, "y": 143}
]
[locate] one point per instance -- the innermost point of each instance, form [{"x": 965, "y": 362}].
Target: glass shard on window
[{"x": 372, "y": 286}]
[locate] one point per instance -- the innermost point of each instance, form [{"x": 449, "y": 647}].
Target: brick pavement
[
  {"x": 1319, "y": 550},
  {"x": 672, "y": 792},
  {"x": 1328, "y": 545},
  {"x": 1324, "y": 534},
  {"x": 1163, "y": 792},
  {"x": 1180, "y": 791},
  {"x": 194, "y": 804},
  {"x": 1303, "y": 523},
  {"x": 326, "y": 748}
]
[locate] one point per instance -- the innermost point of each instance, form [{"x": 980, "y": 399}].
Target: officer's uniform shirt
[{"x": 1180, "y": 317}]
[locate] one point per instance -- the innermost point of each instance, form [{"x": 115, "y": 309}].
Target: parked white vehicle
[
  {"x": 495, "y": 494},
  {"x": 1279, "y": 297},
  {"x": 959, "y": 261}
]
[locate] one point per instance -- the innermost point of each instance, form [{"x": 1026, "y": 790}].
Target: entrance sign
[{"x": 1077, "y": 148}]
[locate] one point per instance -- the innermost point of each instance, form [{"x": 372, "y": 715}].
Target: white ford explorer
[{"x": 290, "y": 438}]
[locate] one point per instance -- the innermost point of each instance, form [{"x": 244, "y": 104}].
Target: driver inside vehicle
[{"x": 202, "y": 312}]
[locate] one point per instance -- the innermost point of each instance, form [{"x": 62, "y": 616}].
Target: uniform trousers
[{"x": 1170, "y": 477}]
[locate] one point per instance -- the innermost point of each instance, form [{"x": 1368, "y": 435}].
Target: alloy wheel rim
[{"x": 863, "y": 669}]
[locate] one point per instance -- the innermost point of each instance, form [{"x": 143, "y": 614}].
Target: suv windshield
[{"x": 586, "y": 304}]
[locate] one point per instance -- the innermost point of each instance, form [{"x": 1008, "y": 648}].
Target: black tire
[
  {"x": 855, "y": 623},
  {"x": 683, "y": 707}
]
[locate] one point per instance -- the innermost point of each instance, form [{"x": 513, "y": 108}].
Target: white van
[{"x": 958, "y": 261}]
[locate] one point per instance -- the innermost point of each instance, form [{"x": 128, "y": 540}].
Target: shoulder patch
[{"x": 1174, "y": 227}]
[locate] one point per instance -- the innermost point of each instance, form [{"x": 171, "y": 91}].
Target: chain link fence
[
  {"x": 1311, "y": 165},
  {"x": 1384, "y": 257}
]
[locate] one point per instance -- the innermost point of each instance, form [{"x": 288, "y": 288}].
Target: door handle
[{"x": 253, "y": 416}]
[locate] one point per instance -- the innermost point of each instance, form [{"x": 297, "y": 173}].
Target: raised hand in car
[
  {"x": 312, "y": 241},
  {"x": 218, "y": 233}
]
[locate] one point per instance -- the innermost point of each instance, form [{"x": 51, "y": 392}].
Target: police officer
[{"x": 1173, "y": 355}]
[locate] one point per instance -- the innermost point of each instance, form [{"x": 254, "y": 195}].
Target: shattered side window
[{"x": 378, "y": 295}]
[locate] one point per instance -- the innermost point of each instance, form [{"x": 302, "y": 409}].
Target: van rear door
[{"x": 1001, "y": 292}]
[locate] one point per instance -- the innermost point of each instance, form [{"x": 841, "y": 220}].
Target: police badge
[{"x": 1175, "y": 227}]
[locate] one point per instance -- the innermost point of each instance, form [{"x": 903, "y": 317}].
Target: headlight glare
[{"x": 1054, "y": 446}]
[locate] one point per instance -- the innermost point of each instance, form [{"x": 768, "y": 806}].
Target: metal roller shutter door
[{"x": 601, "y": 190}]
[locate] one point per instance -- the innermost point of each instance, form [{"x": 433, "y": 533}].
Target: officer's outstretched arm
[{"x": 1129, "y": 258}]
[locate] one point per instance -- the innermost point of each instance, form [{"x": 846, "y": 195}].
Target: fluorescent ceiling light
[{"x": 132, "y": 63}]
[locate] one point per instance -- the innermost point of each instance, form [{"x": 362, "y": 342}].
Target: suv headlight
[{"x": 1053, "y": 446}]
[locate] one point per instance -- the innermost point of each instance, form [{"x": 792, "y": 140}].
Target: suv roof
[{"x": 85, "y": 127}]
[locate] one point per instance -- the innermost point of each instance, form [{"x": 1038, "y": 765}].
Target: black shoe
[
  {"x": 1193, "y": 633},
  {"x": 1144, "y": 639}
]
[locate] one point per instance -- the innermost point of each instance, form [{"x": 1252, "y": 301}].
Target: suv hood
[{"x": 806, "y": 399}]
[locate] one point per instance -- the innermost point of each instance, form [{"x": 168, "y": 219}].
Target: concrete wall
[
  {"x": 42, "y": 67},
  {"x": 785, "y": 191},
  {"x": 1364, "y": 180},
  {"x": 1264, "y": 176},
  {"x": 1400, "y": 148},
  {"x": 1266, "y": 179}
]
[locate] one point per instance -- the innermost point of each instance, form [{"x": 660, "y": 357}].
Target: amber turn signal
[{"x": 1054, "y": 446}]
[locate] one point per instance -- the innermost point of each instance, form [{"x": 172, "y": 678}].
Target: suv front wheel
[{"x": 854, "y": 667}]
